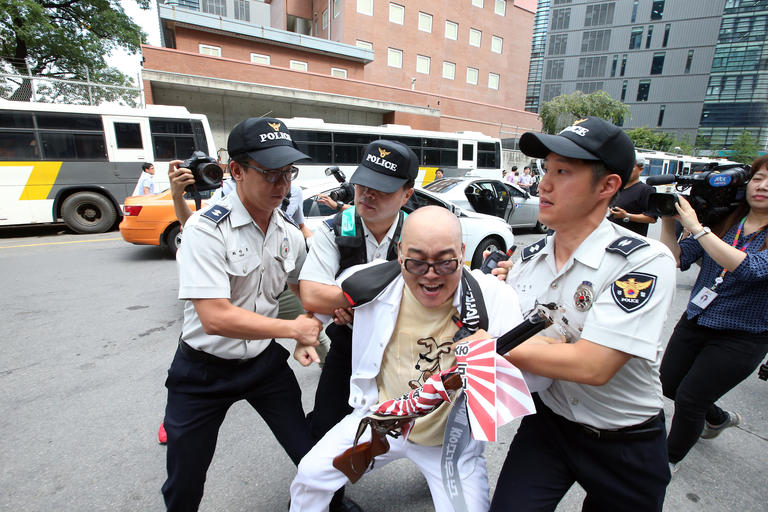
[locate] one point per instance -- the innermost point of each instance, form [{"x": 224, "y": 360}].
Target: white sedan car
[
  {"x": 493, "y": 197},
  {"x": 480, "y": 232}
]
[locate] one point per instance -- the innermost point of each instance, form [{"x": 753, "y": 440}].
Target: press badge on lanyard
[{"x": 706, "y": 295}]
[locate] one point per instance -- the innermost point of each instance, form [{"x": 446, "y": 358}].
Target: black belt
[
  {"x": 205, "y": 357},
  {"x": 648, "y": 429}
]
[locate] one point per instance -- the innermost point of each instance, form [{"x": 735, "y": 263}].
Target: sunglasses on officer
[
  {"x": 441, "y": 268},
  {"x": 273, "y": 175}
]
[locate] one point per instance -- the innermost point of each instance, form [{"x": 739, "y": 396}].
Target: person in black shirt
[{"x": 629, "y": 207}]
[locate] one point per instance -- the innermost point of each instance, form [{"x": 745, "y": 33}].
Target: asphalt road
[{"x": 91, "y": 324}]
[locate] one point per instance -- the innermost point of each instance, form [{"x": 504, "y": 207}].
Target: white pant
[{"x": 317, "y": 479}]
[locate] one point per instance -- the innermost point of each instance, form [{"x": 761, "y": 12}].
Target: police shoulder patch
[
  {"x": 626, "y": 245},
  {"x": 632, "y": 291},
  {"x": 289, "y": 219},
  {"x": 216, "y": 213},
  {"x": 534, "y": 248}
]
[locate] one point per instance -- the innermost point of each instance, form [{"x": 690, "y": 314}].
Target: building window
[
  {"x": 634, "y": 11},
  {"x": 325, "y": 19},
  {"x": 493, "y": 81},
  {"x": 642, "y": 90},
  {"x": 496, "y": 44},
  {"x": 394, "y": 58},
  {"x": 217, "y": 7},
  {"x": 365, "y": 45},
  {"x": 425, "y": 22},
  {"x": 657, "y": 10},
  {"x": 422, "y": 64},
  {"x": 689, "y": 61},
  {"x": 451, "y": 30},
  {"x": 590, "y": 67},
  {"x": 636, "y": 38},
  {"x": 664, "y": 41},
  {"x": 648, "y": 39},
  {"x": 213, "y": 51},
  {"x": 474, "y": 37},
  {"x": 623, "y": 90},
  {"x": 557, "y": 44},
  {"x": 242, "y": 10},
  {"x": 595, "y": 40},
  {"x": 336, "y": 8},
  {"x": 298, "y": 65},
  {"x": 550, "y": 91},
  {"x": 396, "y": 13},
  {"x": 661, "y": 115},
  {"x": 365, "y": 7},
  {"x": 554, "y": 69},
  {"x": 258, "y": 58},
  {"x": 599, "y": 14},
  {"x": 500, "y": 7},
  {"x": 657, "y": 64},
  {"x": 561, "y": 19},
  {"x": 449, "y": 70},
  {"x": 623, "y": 64},
  {"x": 472, "y": 76},
  {"x": 614, "y": 64},
  {"x": 589, "y": 87},
  {"x": 339, "y": 72},
  {"x": 477, "y": 3}
]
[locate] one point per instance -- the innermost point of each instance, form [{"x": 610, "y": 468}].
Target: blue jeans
[{"x": 700, "y": 365}]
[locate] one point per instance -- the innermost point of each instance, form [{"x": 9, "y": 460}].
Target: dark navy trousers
[
  {"x": 199, "y": 395},
  {"x": 332, "y": 394},
  {"x": 549, "y": 454}
]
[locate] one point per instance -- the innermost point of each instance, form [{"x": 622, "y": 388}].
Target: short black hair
[{"x": 146, "y": 165}]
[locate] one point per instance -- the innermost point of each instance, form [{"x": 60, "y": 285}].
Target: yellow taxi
[{"x": 150, "y": 220}]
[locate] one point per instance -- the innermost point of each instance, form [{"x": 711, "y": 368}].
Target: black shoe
[{"x": 346, "y": 505}]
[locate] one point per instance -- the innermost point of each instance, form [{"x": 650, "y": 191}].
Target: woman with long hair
[{"x": 723, "y": 335}]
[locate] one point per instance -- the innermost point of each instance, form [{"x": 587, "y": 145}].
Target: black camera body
[
  {"x": 345, "y": 194},
  {"x": 206, "y": 170},
  {"x": 714, "y": 193}
]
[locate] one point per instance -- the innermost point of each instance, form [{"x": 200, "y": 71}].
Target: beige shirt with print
[{"x": 419, "y": 330}]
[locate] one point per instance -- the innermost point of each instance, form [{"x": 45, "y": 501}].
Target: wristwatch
[
  {"x": 625, "y": 219},
  {"x": 704, "y": 231},
  {"x": 339, "y": 205}
]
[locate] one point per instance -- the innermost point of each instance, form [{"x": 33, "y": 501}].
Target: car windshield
[
  {"x": 443, "y": 185},
  {"x": 419, "y": 199}
]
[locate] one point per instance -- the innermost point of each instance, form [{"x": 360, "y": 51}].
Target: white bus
[
  {"x": 660, "y": 162},
  {"x": 78, "y": 163},
  {"x": 342, "y": 145}
]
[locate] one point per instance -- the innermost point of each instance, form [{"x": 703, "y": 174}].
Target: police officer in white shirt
[
  {"x": 601, "y": 422},
  {"x": 236, "y": 258}
]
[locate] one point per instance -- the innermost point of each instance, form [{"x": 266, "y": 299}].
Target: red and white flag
[{"x": 496, "y": 390}]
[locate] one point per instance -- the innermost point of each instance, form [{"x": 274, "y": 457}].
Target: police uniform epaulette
[
  {"x": 626, "y": 245},
  {"x": 363, "y": 286},
  {"x": 289, "y": 219},
  {"x": 216, "y": 213},
  {"x": 534, "y": 248}
]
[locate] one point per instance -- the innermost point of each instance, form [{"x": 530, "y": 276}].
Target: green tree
[
  {"x": 744, "y": 149},
  {"x": 562, "y": 110},
  {"x": 645, "y": 138},
  {"x": 65, "y": 39}
]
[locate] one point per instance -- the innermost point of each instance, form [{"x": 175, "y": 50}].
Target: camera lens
[{"x": 210, "y": 174}]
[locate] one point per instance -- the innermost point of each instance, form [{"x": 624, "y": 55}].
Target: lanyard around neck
[{"x": 719, "y": 279}]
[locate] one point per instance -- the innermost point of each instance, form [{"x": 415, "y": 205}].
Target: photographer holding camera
[
  {"x": 723, "y": 334},
  {"x": 630, "y": 206}
]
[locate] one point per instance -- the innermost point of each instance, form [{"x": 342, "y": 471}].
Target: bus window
[
  {"x": 73, "y": 146},
  {"x": 348, "y": 154},
  {"x": 128, "y": 136},
  {"x": 467, "y": 151},
  {"x": 16, "y": 120},
  {"x": 172, "y": 139},
  {"x": 46, "y": 121},
  {"x": 18, "y": 146},
  {"x": 488, "y": 155},
  {"x": 441, "y": 157},
  {"x": 654, "y": 167},
  {"x": 201, "y": 141}
]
